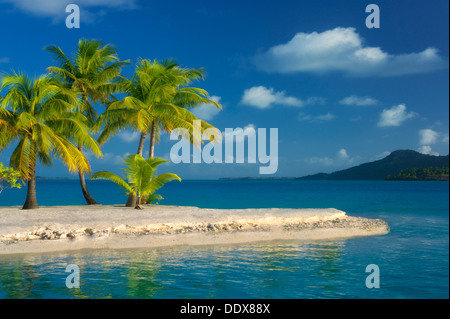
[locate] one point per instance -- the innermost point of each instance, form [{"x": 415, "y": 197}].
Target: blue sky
[{"x": 339, "y": 93}]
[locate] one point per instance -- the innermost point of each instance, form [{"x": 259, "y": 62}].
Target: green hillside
[{"x": 390, "y": 165}]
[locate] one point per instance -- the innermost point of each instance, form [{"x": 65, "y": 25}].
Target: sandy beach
[{"x": 92, "y": 227}]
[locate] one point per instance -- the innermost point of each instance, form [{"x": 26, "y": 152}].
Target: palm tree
[
  {"x": 92, "y": 72},
  {"x": 158, "y": 98},
  {"x": 38, "y": 114},
  {"x": 140, "y": 179}
]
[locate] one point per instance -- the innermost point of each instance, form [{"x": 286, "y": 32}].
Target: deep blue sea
[{"x": 413, "y": 259}]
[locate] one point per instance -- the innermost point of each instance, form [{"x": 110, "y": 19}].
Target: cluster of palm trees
[{"x": 54, "y": 115}]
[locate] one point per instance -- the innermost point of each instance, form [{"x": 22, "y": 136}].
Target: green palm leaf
[
  {"x": 157, "y": 182},
  {"x": 113, "y": 178}
]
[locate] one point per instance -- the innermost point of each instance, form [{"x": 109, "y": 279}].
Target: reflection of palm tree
[
  {"x": 18, "y": 280},
  {"x": 142, "y": 277},
  {"x": 330, "y": 254},
  {"x": 274, "y": 259}
]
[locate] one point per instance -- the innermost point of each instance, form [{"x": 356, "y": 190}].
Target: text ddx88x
[{"x": 246, "y": 308}]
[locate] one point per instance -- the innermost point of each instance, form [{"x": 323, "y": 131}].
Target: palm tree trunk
[
  {"x": 131, "y": 202},
  {"x": 87, "y": 196},
  {"x": 152, "y": 140},
  {"x": 31, "y": 200},
  {"x": 138, "y": 206}
]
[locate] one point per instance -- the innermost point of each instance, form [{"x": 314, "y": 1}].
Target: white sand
[{"x": 79, "y": 227}]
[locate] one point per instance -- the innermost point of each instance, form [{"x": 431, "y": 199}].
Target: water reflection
[
  {"x": 17, "y": 279},
  {"x": 258, "y": 270}
]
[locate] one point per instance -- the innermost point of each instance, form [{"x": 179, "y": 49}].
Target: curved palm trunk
[
  {"x": 31, "y": 200},
  {"x": 131, "y": 202},
  {"x": 87, "y": 196}
]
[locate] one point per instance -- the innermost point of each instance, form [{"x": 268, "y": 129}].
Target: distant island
[
  {"x": 420, "y": 174},
  {"x": 390, "y": 168},
  {"x": 391, "y": 165}
]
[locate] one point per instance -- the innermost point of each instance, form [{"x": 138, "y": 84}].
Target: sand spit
[{"x": 79, "y": 227}]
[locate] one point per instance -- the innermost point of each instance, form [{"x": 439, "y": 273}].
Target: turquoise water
[{"x": 413, "y": 258}]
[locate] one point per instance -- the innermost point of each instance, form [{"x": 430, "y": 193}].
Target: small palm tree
[
  {"x": 38, "y": 114},
  {"x": 140, "y": 178}
]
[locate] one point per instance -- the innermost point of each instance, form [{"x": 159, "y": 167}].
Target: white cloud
[
  {"x": 395, "y": 116},
  {"x": 340, "y": 159},
  {"x": 207, "y": 111},
  {"x": 428, "y": 136},
  {"x": 315, "y": 100},
  {"x": 426, "y": 150},
  {"x": 303, "y": 116},
  {"x": 323, "y": 117},
  {"x": 113, "y": 158},
  {"x": 358, "y": 100},
  {"x": 128, "y": 136},
  {"x": 445, "y": 138},
  {"x": 343, "y": 153},
  {"x": 4, "y": 60},
  {"x": 262, "y": 97},
  {"x": 56, "y": 9},
  {"x": 342, "y": 50}
]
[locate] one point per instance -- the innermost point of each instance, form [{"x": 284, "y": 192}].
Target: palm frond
[
  {"x": 157, "y": 182},
  {"x": 113, "y": 178}
]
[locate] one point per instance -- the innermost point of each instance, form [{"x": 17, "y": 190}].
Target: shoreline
[{"x": 65, "y": 228}]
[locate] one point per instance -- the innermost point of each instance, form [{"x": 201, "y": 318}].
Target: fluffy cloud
[
  {"x": 445, "y": 138},
  {"x": 343, "y": 153},
  {"x": 426, "y": 149},
  {"x": 395, "y": 116},
  {"x": 428, "y": 136},
  {"x": 342, "y": 50},
  {"x": 56, "y": 9},
  {"x": 129, "y": 137},
  {"x": 262, "y": 97},
  {"x": 207, "y": 111},
  {"x": 340, "y": 159},
  {"x": 325, "y": 117},
  {"x": 4, "y": 60},
  {"x": 358, "y": 100},
  {"x": 113, "y": 158}
]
